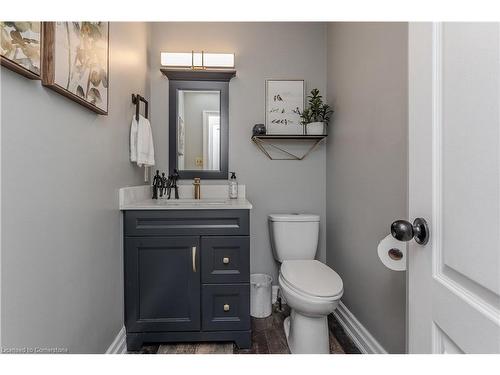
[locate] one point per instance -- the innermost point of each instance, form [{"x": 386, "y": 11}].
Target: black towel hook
[{"x": 137, "y": 99}]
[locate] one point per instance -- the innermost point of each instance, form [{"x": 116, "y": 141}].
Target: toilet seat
[
  {"x": 294, "y": 217},
  {"x": 312, "y": 278}
]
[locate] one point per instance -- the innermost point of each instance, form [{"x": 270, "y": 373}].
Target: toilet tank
[{"x": 294, "y": 236}]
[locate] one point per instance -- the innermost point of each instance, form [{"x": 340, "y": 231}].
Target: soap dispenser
[{"x": 233, "y": 186}]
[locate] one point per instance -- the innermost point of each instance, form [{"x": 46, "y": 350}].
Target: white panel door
[{"x": 454, "y": 184}]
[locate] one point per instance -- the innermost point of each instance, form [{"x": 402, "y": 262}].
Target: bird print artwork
[{"x": 283, "y": 98}]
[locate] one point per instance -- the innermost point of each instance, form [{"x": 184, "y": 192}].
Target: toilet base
[{"x": 307, "y": 335}]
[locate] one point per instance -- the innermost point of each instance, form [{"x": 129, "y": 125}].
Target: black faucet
[
  {"x": 172, "y": 183},
  {"x": 157, "y": 183},
  {"x": 164, "y": 181},
  {"x": 176, "y": 188}
]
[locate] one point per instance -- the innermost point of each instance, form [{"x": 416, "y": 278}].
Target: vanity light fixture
[{"x": 197, "y": 60}]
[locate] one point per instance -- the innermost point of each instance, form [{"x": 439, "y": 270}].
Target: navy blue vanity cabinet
[{"x": 187, "y": 275}]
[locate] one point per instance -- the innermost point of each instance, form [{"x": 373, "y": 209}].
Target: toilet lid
[
  {"x": 294, "y": 217},
  {"x": 312, "y": 277}
]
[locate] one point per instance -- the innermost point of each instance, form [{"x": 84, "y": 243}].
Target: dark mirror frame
[{"x": 223, "y": 88}]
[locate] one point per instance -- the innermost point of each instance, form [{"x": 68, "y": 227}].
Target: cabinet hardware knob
[
  {"x": 226, "y": 307},
  {"x": 225, "y": 260}
]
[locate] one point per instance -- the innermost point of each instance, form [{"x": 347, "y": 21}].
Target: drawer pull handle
[
  {"x": 226, "y": 307},
  {"x": 193, "y": 254},
  {"x": 225, "y": 260}
]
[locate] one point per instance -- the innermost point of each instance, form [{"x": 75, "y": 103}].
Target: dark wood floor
[{"x": 268, "y": 337}]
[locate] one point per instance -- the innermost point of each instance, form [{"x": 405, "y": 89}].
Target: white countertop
[
  {"x": 214, "y": 197},
  {"x": 188, "y": 204}
]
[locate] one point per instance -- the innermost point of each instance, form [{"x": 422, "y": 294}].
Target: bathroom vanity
[{"x": 186, "y": 268}]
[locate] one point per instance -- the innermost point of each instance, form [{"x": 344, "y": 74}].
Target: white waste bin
[{"x": 260, "y": 295}]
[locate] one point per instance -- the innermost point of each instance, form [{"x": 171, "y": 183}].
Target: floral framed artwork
[
  {"x": 283, "y": 97},
  {"x": 20, "y": 47},
  {"x": 75, "y": 62}
]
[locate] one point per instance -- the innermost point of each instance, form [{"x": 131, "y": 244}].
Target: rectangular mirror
[{"x": 198, "y": 131}]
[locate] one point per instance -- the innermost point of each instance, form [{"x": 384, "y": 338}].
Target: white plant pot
[{"x": 315, "y": 128}]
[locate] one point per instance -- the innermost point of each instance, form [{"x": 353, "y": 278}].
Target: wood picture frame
[
  {"x": 51, "y": 72},
  {"x": 17, "y": 66}
]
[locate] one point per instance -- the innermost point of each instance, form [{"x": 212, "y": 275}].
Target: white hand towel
[
  {"x": 145, "y": 148},
  {"x": 133, "y": 140},
  {"x": 141, "y": 142}
]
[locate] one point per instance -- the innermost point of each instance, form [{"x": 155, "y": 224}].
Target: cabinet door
[{"x": 162, "y": 284}]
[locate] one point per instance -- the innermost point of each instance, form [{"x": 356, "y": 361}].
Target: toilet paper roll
[{"x": 392, "y": 253}]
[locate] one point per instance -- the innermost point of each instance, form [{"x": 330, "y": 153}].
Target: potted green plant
[{"x": 316, "y": 116}]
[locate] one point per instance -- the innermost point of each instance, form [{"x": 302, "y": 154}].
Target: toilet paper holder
[
  {"x": 395, "y": 254},
  {"x": 392, "y": 253}
]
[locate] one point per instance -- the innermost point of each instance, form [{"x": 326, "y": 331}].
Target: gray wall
[
  {"x": 263, "y": 50},
  {"x": 367, "y": 169},
  {"x": 62, "y": 165}
]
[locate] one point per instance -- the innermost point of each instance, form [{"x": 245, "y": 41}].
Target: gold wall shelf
[{"x": 262, "y": 140}]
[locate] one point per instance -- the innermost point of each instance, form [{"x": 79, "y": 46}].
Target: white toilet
[{"x": 310, "y": 288}]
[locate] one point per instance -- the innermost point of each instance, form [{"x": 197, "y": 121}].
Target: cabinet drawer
[
  {"x": 225, "y": 307},
  {"x": 225, "y": 260},
  {"x": 187, "y": 222}
]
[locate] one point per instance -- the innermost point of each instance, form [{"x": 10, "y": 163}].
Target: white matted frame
[{"x": 283, "y": 98}]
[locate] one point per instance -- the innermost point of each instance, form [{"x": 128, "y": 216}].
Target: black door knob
[{"x": 403, "y": 230}]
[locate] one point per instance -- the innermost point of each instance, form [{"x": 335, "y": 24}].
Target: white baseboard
[
  {"x": 363, "y": 339},
  {"x": 119, "y": 345}
]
